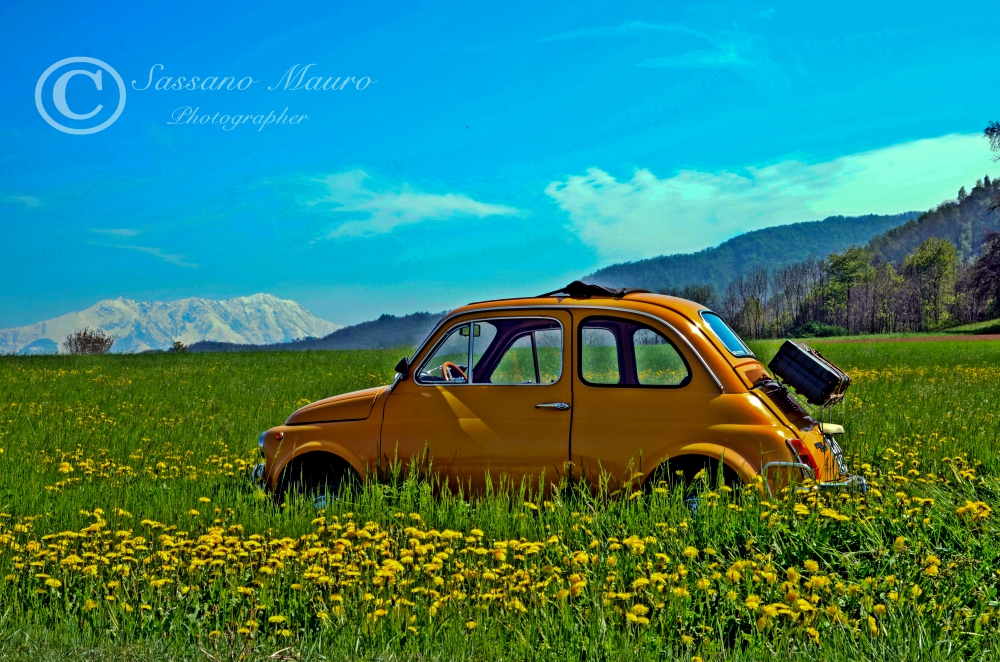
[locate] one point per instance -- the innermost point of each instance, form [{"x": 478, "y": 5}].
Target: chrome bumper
[
  {"x": 257, "y": 473},
  {"x": 851, "y": 482}
]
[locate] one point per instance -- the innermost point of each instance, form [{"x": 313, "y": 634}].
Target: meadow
[{"x": 129, "y": 530}]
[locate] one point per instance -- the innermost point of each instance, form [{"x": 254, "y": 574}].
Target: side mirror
[{"x": 403, "y": 367}]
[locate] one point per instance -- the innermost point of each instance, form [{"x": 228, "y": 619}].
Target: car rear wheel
[{"x": 684, "y": 472}]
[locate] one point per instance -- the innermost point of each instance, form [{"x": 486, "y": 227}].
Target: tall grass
[{"x": 129, "y": 529}]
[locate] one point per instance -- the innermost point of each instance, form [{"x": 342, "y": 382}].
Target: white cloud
[
  {"x": 648, "y": 216},
  {"x": 117, "y": 232},
  {"x": 26, "y": 200},
  {"x": 172, "y": 258},
  {"x": 384, "y": 210},
  {"x": 727, "y": 49}
]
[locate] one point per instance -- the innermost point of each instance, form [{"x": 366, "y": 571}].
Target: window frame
[
  {"x": 622, "y": 365},
  {"x": 471, "y": 376}
]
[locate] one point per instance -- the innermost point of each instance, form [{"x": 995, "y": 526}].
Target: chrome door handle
[{"x": 561, "y": 406}]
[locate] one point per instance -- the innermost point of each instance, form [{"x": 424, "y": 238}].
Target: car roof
[{"x": 689, "y": 309}]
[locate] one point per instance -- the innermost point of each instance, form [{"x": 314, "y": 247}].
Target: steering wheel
[{"x": 446, "y": 369}]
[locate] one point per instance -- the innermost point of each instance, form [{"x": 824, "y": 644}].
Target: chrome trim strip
[{"x": 448, "y": 318}]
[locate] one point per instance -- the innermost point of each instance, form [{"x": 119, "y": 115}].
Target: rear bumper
[{"x": 850, "y": 482}]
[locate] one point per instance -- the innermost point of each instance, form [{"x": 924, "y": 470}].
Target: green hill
[
  {"x": 774, "y": 247},
  {"x": 961, "y": 222}
]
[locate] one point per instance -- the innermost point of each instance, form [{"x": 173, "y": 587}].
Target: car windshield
[{"x": 725, "y": 334}]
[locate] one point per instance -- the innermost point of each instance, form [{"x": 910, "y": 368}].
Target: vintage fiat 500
[{"x": 567, "y": 385}]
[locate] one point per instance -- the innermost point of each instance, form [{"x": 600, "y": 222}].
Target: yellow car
[{"x": 566, "y": 385}]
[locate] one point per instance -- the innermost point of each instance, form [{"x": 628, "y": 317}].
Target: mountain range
[
  {"x": 961, "y": 221},
  {"x": 151, "y": 325},
  {"x": 774, "y": 247},
  {"x": 382, "y": 333}
]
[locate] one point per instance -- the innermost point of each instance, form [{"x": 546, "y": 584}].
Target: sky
[{"x": 453, "y": 152}]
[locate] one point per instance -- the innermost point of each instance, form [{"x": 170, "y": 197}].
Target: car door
[
  {"x": 490, "y": 397},
  {"x": 638, "y": 394}
]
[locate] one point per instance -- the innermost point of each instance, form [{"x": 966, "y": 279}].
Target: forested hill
[
  {"x": 961, "y": 222},
  {"x": 384, "y": 332},
  {"x": 774, "y": 247}
]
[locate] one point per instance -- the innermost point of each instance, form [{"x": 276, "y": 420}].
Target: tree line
[{"x": 857, "y": 291}]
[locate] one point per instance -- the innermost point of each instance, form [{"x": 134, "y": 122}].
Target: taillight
[{"x": 803, "y": 455}]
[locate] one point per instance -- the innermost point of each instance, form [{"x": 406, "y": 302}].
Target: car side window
[
  {"x": 527, "y": 351},
  {"x": 517, "y": 365},
  {"x": 517, "y": 350},
  {"x": 620, "y": 352},
  {"x": 449, "y": 364},
  {"x": 599, "y": 355},
  {"x": 657, "y": 362}
]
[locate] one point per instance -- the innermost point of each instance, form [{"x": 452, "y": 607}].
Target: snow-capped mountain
[{"x": 142, "y": 325}]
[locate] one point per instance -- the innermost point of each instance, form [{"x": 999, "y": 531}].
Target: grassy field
[{"x": 128, "y": 530}]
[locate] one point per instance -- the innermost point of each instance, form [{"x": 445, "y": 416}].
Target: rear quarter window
[{"x": 732, "y": 342}]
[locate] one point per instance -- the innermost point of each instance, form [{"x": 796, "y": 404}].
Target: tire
[
  {"x": 680, "y": 472},
  {"x": 320, "y": 476}
]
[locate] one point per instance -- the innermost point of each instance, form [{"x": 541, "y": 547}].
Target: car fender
[
  {"x": 285, "y": 455},
  {"x": 744, "y": 469}
]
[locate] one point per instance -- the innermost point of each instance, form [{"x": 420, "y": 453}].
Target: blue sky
[{"x": 495, "y": 150}]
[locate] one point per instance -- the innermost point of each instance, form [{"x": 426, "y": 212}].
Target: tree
[
  {"x": 844, "y": 270},
  {"x": 86, "y": 341},
  {"x": 985, "y": 272},
  {"x": 932, "y": 268},
  {"x": 992, "y": 133},
  {"x": 178, "y": 347}
]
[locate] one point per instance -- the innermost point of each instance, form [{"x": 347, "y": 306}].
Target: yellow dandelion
[
  {"x": 690, "y": 552},
  {"x": 752, "y": 602},
  {"x": 639, "y": 610},
  {"x": 471, "y": 625},
  {"x": 811, "y": 566},
  {"x": 277, "y": 618}
]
